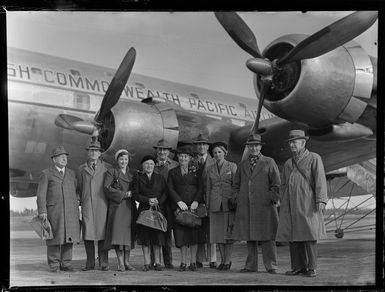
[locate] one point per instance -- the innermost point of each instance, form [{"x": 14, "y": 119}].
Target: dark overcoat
[
  {"x": 122, "y": 213},
  {"x": 256, "y": 216},
  {"x": 93, "y": 200},
  {"x": 299, "y": 219},
  {"x": 56, "y": 196}
]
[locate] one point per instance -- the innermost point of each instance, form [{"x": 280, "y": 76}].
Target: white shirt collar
[{"x": 61, "y": 169}]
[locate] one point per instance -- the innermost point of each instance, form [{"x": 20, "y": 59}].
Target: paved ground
[{"x": 347, "y": 261}]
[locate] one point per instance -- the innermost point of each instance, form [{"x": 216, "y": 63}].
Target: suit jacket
[
  {"x": 56, "y": 196},
  {"x": 219, "y": 186},
  {"x": 202, "y": 171}
]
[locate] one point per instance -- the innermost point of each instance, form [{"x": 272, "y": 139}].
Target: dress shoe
[
  {"x": 199, "y": 265},
  {"x": 146, "y": 268},
  {"x": 193, "y": 267},
  {"x": 128, "y": 267},
  {"x": 226, "y": 267},
  {"x": 220, "y": 267},
  {"x": 246, "y": 270},
  {"x": 105, "y": 268},
  {"x": 182, "y": 267},
  {"x": 296, "y": 272},
  {"x": 272, "y": 271},
  {"x": 158, "y": 267},
  {"x": 67, "y": 269},
  {"x": 169, "y": 266},
  {"x": 88, "y": 268},
  {"x": 121, "y": 268},
  {"x": 54, "y": 270},
  {"x": 212, "y": 265},
  {"x": 311, "y": 273}
]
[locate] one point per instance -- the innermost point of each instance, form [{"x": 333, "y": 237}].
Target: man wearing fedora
[
  {"x": 303, "y": 200},
  {"x": 94, "y": 205},
  {"x": 204, "y": 160},
  {"x": 57, "y": 201},
  {"x": 162, "y": 166},
  {"x": 256, "y": 189}
]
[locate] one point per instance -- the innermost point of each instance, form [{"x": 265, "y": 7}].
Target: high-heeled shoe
[
  {"x": 158, "y": 267},
  {"x": 226, "y": 267},
  {"x": 146, "y": 268},
  {"x": 182, "y": 267},
  {"x": 128, "y": 267},
  {"x": 121, "y": 268},
  {"x": 220, "y": 267}
]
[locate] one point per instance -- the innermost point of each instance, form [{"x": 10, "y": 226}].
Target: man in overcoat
[
  {"x": 94, "y": 205},
  {"x": 58, "y": 203},
  {"x": 206, "y": 251},
  {"x": 256, "y": 188},
  {"x": 304, "y": 198},
  {"x": 163, "y": 165}
]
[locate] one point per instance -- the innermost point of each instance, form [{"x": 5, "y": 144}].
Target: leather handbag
[
  {"x": 153, "y": 218},
  {"x": 187, "y": 218},
  {"x": 42, "y": 228},
  {"x": 201, "y": 210}
]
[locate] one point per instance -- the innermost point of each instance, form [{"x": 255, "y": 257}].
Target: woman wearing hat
[
  {"x": 121, "y": 210},
  {"x": 185, "y": 190},
  {"x": 220, "y": 176},
  {"x": 150, "y": 190}
]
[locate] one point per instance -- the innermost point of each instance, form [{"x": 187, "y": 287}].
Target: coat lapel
[
  {"x": 125, "y": 177},
  {"x": 258, "y": 167},
  {"x": 56, "y": 173},
  {"x": 246, "y": 167}
]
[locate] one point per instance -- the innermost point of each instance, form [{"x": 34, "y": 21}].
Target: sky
[{"x": 185, "y": 47}]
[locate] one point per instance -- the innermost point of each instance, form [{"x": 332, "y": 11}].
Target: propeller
[
  {"x": 110, "y": 99},
  {"x": 319, "y": 43}
]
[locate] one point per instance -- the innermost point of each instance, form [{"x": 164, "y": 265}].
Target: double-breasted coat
[
  {"x": 122, "y": 212},
  {"x": 93, "y": 200},
  {"x": 299, "y": 219},
  {"x": 56, "y": 196},
  {"x": 145, "y": 189},
  {"x": 256, "y": 216}
]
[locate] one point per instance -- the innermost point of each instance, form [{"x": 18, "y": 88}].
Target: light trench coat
[
  {"x": 94, "y": 202},
  {"x": 256, "y": 216},
  {"x": 299, "y": 219}
]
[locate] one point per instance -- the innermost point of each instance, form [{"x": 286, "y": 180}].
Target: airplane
[{"x": 325, "y": 84}]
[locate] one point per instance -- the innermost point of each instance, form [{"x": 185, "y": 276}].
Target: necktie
[
  {"x": 61, "y": 172},
  {"x": 93, "y": 166}
]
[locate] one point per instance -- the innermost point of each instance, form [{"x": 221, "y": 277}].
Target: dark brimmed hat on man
[
  {"x": 297, "y": 134},
  {"x": 221, "y": 145},
  {"x": 59, "y": 150},
  {"x": 202, "y": 139},
  {"x": 254, "y": 139},
  {"x": 162, "y": 144},
  {"x": 95, "y": 145}
]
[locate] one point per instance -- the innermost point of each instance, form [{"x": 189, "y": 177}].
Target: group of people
[{"x": 241, "y": 202}]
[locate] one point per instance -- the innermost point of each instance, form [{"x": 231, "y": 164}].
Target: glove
[
  {"x": 194, "y": 205},
  {"x": 182, "y": 206}
]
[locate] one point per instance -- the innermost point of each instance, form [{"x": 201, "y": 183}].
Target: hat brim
[
  {"x": 60, "y": 154},
  {"x": 202, "y": 142},
  {"x": 162, "y": 147},
  {"x": 95, "y": 148},
  {"x": 297, "y": 138},
  {"x": 255, "y": 142}
]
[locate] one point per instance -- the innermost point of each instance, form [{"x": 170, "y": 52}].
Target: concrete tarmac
[{"x": 347, "y": 261}]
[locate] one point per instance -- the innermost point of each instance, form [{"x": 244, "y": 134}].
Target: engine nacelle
[{"x": 321, "y": 91}]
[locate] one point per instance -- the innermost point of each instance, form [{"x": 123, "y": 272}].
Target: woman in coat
[
  {"x": 185, "y": 190},
  {"x": 150, "y": 191},
  {"x": 121, "y": 210},
  {"x": 220, "y": 176}
]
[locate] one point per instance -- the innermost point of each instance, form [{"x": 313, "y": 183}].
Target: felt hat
[
  {"x": 297, "y": 134},
  {"x": 162, "y": 144},
  {"x": 254, "y": 139},
  {"x": 94, "y": 145},
  {"x": 202, "y": 139},
  {"x": 59, "y": 150}
]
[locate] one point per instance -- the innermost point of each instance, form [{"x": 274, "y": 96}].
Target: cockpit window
[{"x": 81, "y": 100}]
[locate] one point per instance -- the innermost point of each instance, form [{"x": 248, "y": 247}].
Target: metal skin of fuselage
[{"x": 41, "y": 87}]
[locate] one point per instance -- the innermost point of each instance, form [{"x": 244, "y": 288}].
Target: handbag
[
  {"x": 232, "y": 203},
  {"x": 42, "y": 228},
  {"x": 187, "y": 218},
  {"x": 153, "y": 218},
  {"x": 201, "y": 210}
]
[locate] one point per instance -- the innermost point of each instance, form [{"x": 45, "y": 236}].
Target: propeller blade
[
  {"x": 260, "y": 66},
  {"x": 265, "y": 87},
  {"x": 331, "y": 37},
  {"x": 239, "y": 32},
  {"x": 117, "y": 85},
  {"x": 66, "y": 121}
]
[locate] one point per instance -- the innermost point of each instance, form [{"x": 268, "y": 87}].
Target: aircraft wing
[{"x": 335, "y": 154}]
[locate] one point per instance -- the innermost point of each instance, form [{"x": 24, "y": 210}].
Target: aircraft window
[
  {"x": 75, "y": 72},
  {"x": 81, "y": 100},
  {"x": 194, "y": 95},
  {"x": 139, "y": 84},
  {"x": 36, "y": 70}
]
